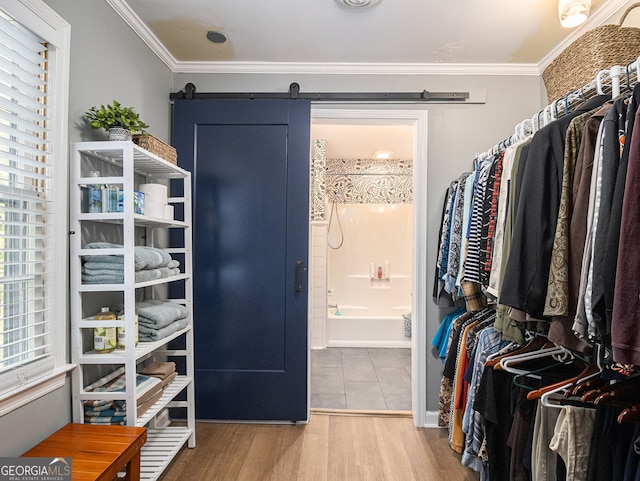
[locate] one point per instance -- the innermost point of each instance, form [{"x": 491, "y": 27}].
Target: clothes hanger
[
  {"x": 507, "y": 363},
  {"x": 536, "y": 343},
  {"x": 545, "y": 394},
  {"x": 630, "y": 415},
  {"x": 590, "y": 371},
  {"x": 555, "y": 107},
  {"x": 628, "y": 77},
  {"x": 534, "y": 373},
  {"x": 545, "y": 398},
  {"x": 599, "y": 82},
  {"x": 610, "y": 386},
  {"x": 622, "y": 396},
  {"x": 581, "y": 388}
]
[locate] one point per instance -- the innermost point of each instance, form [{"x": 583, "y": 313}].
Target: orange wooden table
[{"x": 97, "y": 452}]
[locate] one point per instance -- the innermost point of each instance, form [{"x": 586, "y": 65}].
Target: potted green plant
[{"x": 121, "y": 122}]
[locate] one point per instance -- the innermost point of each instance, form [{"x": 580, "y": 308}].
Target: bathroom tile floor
[{"x": 361, "y": 378}]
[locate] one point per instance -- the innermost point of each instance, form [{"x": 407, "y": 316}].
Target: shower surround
[{"x": 372, "y": 199}]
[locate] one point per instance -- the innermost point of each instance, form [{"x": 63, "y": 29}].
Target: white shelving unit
[{"x": 127, "y": 165}]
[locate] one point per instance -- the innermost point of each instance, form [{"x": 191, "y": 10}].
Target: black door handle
[{"x": 299, "y": 268}]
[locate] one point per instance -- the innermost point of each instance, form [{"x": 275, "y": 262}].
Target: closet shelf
[
  {"x": 170, "y": 392},
  {"x": 137, "y": 285},
  {"x": 121, "y": 356},
  {"x": 127, "y": 165},
  {"x": 118, "y": 218},
  {"x": 144, "y": 162},
  {"x": 161, "y": 447}
]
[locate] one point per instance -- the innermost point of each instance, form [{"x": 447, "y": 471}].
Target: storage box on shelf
[{"x": 115, "y": 376}]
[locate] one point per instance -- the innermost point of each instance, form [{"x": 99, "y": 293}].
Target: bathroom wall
[
  {"x": 370, "y": 233},
  {"x": 378, "y": 233},
  {"x": 369, "y": 239}
]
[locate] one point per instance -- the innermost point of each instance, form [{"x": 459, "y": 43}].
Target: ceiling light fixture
[
  {"x": 383, "y": 154},
  {"x": 216, "y": 37},
  {"x": 358, "y": 3},
  {"x": 573, "y": 12}
]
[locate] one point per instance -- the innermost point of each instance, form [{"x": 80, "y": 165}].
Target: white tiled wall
[
  {"x": 318, "y": 282},
  {"x": 378, "y": 233}
]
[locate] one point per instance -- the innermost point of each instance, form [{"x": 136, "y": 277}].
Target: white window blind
[{"x": 26, "y": 203}]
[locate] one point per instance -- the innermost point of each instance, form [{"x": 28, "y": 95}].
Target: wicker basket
[
  {"x": 596, "y": 50},
  {"x": 157, "y": 146}
]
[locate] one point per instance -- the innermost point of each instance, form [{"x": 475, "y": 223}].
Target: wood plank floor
[{"x": 331, "y": 447}]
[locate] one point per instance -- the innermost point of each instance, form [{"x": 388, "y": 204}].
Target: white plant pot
[{"x": 119, "y": 133}]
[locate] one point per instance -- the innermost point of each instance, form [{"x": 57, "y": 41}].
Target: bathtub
[{"x": 360, "y": 326}]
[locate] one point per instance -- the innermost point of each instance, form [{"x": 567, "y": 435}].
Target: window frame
[{"x": 45, "y": 22}]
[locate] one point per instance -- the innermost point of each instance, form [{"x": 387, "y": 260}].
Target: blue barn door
[{"x": 250, "y": 165}]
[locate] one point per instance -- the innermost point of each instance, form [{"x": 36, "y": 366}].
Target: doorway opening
[{"x": 367, "y": 297}]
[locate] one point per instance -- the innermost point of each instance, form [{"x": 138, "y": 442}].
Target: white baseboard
[
  {"x": 365, "y": 343},
  {"x": 431, "y": 420}
]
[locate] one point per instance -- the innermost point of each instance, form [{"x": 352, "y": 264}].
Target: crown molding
[
  {"x": 327, "y": 68},
  {"x": 313, "y": 68},
  {"x": 121, "y": 7},
  {"x": 132, "y": 19},
  {"x": 604, "y": 13}
]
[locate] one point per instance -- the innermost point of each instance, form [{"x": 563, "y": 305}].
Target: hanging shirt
[
  {"x": 583, "y": 324},
  {"x": 605, "y": 276},
  {"x": 489, "y": 341},
  {"x": 574, "y": 228},
  {"x": 557, "y": 300},
  {"x": 491, "y": 219},
  {"x": 455, "y": 240},
  {"x": 443, "y": 251},
  {"x": 472, "y": 261},
  {"x": 625, "y": 335},
  {"x": 509, "y": 169},
  {"x": 613, "y": 138},
  {"x": 466, "y": 219},
  {"x": 527, "y": 272}
]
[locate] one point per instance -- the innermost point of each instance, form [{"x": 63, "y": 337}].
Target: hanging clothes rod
[
  {"x": 611, "y": 80},
  {"x": 189, "y": 93}
]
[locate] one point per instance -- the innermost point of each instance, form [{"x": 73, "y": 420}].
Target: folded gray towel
[
  {"x": 147, "y": 334},
  {"x": 153, "y": 257},
  {"x": 144, "y": 257},
  {"x": 111, "y": 277},
  {"x": 155, "y": 313},
  {"x": 139, "y": 262}
]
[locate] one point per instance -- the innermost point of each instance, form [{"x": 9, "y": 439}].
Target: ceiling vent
[{"x": 358, "y": 3}]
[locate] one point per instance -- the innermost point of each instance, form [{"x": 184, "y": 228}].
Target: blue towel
[
  {"x": 103, "y": 405},
  {"x": 105, "y": 413},
  {"x": 105, "y": 419}
]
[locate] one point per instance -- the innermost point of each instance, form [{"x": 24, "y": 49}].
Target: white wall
[{"x": 108, "y": 61}]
